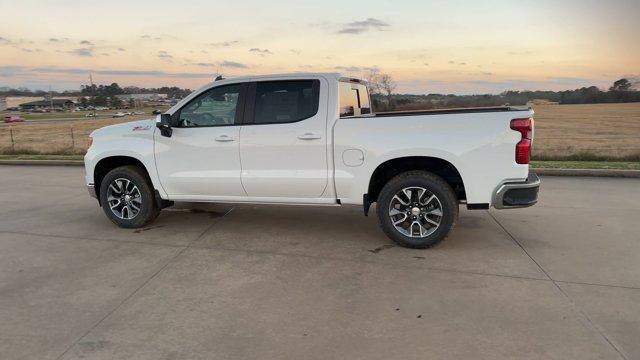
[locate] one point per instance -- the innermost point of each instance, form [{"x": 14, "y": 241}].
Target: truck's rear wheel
[
  {"x": 417, "y": 209},
  {"x": 127, "y": 197}
]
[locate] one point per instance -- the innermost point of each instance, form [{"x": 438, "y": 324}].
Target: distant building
[
  {"x": 15, "y": 101},
  {"x": 3, "y": 103},
  {"x": 56, "y": 104},
  {"x": 142, "y": 97},
  {"x": 140, "y": 100}
]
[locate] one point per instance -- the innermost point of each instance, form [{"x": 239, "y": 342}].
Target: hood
[{"x": 129, "y": 128}]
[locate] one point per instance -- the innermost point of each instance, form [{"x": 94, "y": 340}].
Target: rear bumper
[{"x": 519, "y": 194}]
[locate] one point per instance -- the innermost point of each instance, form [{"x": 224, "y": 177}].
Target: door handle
[
  {"x": 309, "y": 136},
  {"x": 224, "y": 138}
]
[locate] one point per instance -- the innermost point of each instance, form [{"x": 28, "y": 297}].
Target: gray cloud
[
  {"x": 355, "y": 68},
  {"x": 261, "y": 52},
  {"x": 233, "y": 64},
  {"x": 295, "y": 51},
  {"x": 12, "y": 71},
  {"x": 86, "y": 42},
  {"x": 121, "y": 49},
  {"x": 81, "y": 52},
  {"x": 359, "y": 27},
  {"x": 54, "y": 40},
  {"x": 224, "y": 43},
  {"x": 4, "y": 40},
  {"x": 226, "y": 63},
  {"x": 148, "y": 37},
  {"x": 164, "y": 55},
  {"x": 157, "y": 37},
  {"x": 352, "y": 30},
  {"x": 370, "y": 22}
]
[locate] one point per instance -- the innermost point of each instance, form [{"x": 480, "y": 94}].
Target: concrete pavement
[{"x": 559, "y": 280}]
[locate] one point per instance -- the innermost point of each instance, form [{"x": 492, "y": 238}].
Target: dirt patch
[{"x": 378, "y": 249}]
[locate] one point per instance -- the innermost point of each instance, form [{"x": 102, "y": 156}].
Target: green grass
[
  {"x": 624, "y": 165},
  {"x": 588, "y": 156},
  {"x": 41, "y": 157}
]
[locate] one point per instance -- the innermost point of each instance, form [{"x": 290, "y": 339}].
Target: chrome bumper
[{"x": 519, "y": 194}]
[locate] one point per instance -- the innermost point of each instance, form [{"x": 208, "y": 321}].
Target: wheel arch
[
  {"x": 392, "y": 167},
  {"x": 109, "y": 163}
]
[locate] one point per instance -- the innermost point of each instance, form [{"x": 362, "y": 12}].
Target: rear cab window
[{"x": 354, "y": 99}]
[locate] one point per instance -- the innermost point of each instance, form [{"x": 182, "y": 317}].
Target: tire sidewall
[
  {"x": 433, "y": 184},
  {"x": 147, "y": 208}
]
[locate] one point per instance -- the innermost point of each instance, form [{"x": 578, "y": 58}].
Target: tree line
[
  {"x": 103, "y": 95},
  {"x": 172, "y": 92},
  {"x": 382, "y": 87}
]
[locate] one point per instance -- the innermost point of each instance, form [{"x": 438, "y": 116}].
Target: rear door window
[{"x": 280, "y": 102}]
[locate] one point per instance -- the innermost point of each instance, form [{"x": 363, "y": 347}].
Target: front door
[
  {"x": 201, "y": 158},
  {"x": 283, "y": 145}
]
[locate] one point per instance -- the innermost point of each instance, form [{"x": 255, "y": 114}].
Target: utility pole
[
  {"x": 93, "y": 95},
  {"x": 50, "y": 100}
]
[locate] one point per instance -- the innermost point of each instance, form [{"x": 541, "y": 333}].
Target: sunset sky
[{"x": 427, "y": 46}]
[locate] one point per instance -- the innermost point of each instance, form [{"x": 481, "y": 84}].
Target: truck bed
[{"x": 450, "y": 111}]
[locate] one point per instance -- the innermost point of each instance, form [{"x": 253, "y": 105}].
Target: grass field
[
  {"x": 587, "y": 132},
  {"x": 81, "y": 115},
  {"x": 57, "y": 133},
  {"x": 598, "y": 132}
]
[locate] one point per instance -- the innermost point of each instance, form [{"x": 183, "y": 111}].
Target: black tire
[
  {"x": 148, "y": 207},
  {"x": 448, "y": 205}
]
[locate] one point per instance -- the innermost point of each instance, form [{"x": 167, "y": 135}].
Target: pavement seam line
[
  {"x": 594, "y": 284},
  {"x": 309, "y": 256},
  {"x": 91, "y": 239},
  {"x": 429, "y": 268},
  {"x": 312, "y": 257},
  {"x": 593, "y": 325},
  {"x": 144, "y": 283}
]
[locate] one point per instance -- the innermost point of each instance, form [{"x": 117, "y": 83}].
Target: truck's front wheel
[
  {"x": 417, "y": 209},
  {"x": 127, "y": 197}
]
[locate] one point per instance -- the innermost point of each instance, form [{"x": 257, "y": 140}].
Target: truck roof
[{"x": 295, "y": 75}]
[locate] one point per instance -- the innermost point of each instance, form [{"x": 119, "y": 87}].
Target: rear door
[{"x": 283, "y": 143}]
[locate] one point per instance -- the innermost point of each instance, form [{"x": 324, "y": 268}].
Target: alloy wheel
[
  {"x": 124, "y": 198},
  {"x": 415, "y": 212}
]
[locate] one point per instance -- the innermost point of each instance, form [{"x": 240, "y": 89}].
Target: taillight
[{"x": 523, "y": 148}]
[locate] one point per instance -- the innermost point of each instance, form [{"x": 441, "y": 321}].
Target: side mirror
[{"x": 165, "y": 125}]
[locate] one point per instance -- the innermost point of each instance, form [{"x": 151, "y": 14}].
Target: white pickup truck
[{"x": 313, "y": 139}]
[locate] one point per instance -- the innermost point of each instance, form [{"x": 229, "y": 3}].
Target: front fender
[{"x": 138, "y": 146}]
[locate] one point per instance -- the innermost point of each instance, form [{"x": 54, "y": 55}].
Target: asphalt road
[{"x": 560, "y": 280}]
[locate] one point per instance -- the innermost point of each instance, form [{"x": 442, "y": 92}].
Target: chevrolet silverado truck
[{"x": 313, "y": 139}]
